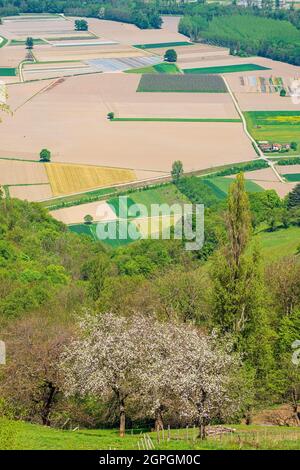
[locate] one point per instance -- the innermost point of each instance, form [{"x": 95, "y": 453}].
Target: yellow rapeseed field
[
  {"x": 287, "y": 119},
  {"x": 68, "y": 179}
]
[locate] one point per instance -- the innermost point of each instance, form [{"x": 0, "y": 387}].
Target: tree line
[
  {"x": 141, "y": 14},
  {"x": 246, "y": 31}
]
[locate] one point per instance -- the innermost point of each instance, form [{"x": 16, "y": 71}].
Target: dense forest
[
  {"x": 62, "y": 295},
  {"x": 128, "y": 11},
  {"x": 246, "y": 31}
]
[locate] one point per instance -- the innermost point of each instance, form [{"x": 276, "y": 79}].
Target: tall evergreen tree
[{"x": 238, "y": 294}]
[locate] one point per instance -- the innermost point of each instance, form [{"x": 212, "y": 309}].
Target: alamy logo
[
  {"x": 2, "y": 353},
  {"x": 295, "y": 91},
  {"x": 3, "y": 92},
  {"x": 158, "y": 221}
]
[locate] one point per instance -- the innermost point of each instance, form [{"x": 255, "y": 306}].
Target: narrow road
[{"x": 259, "y": 151}]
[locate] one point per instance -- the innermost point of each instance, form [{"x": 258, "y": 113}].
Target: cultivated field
[
  {"x": 31, "y": 192},
  {"x": 75, "y": 215},
  {"x": 55, "y": 54},
  {"x": 67, "y": 179},
  {"x": 77, "y": 131},
  {"x": 182, "y": 83},
  {"x": 18, "y": 172},
  {"x": 225, "y": 69},
  {"x": 288, "y": 169},
  {"x": 187, "y": 117},
  {"x": 130, "y": 34},
  {"x": 267, "y": 179},
  {"x": 279, "y": 127},
  {"x": 36, "y": 27}
]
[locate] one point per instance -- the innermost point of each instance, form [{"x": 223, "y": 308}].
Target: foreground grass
[
  {"x": 25, "y": 436},
  {"x": 227, "y": 69}
]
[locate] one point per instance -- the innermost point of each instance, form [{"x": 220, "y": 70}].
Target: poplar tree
[{"x": 238, "y": 293}]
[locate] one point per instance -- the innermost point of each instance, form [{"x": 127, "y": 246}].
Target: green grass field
[
  {"x": 18, "y": 435},
  {"x": 165, "y": 194},
  {"x": 226, "y": 69},
  {"x": 159, "y": 68},
  {"x": 159, "y": 45},
  {"x": 292, "y": 177},
  {"x": 275, "y": 126},
  {"x": 112, "y": 241},
  {"x": 8, "y": 72},
  {"x": 221, "y": 185},
  {"x": 91, "y": 231},
  {"x": 281, "y": 242},
  {"x": 180, "y": 83}
]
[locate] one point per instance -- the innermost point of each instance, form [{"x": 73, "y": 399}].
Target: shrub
[
  {"x": 45, "y": 155},
  {"x": 170, "y": 55},
  {"x": 88, "y": 219},
  {"x": 81, "y": 25}
]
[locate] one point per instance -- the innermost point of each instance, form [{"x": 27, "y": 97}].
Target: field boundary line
[{"x": 35, "y": 94}]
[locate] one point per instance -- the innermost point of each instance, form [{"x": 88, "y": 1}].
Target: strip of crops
[
  {"x": 182, "y": 83},
  {"x": 292, "y": 177},
  {"x": 227, "y": 69},
  {"x": 158, "y": 45},
  {"x": 7, "y": 72}
]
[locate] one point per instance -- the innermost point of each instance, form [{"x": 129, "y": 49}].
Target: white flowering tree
[
  {"x": 156, "y": 364},
  {"x": 203, "y": 370},
  {"x": 158, "y": 383},
  {"x": 108, "y": 359}
]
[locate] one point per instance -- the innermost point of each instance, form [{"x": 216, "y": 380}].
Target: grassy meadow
[
  {"x": 280, "y": 243},
  {"x": 221, "y": 185},
  {"x": 25, "y": 436}
]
